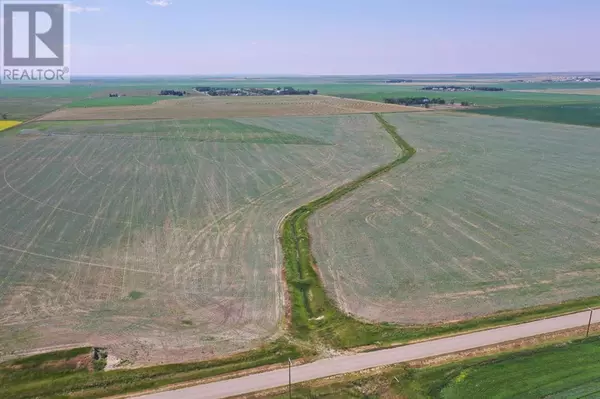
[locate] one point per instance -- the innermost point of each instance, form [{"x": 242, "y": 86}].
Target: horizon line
[{"x": 332, "y": 75}]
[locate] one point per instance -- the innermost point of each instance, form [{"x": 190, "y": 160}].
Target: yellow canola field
[{"x": 8, "y": 124}]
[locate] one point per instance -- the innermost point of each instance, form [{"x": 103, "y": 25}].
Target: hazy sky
[{"x": 333, "y": 36}]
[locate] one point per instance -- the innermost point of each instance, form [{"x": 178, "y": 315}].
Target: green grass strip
[
  {"x": 314, "y": 315},
  {"x": 53, "y": 376}
]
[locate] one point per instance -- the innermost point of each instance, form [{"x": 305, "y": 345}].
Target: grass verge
[
  {"x": 565, "y": 369},
  {"x": 75, "y": 374}
]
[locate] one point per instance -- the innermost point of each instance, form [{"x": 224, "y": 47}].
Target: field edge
[
  {"x": 314, "y": 316},
  {"x": 53, "y": 374}
]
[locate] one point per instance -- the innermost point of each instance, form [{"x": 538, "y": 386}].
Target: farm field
[
  {"x": 4, "y": 124},
  {"x": 115, "y": 101},
  {"x": 26, "y": 102},
  {"x": 228, "y": 107},
  {"x": 479, "y": 98},
  {"x": 562, "y": 371},
  {"x": 490, "y": 214},
  {"x": 158, "y": 239},
  {"x": 582, "y": 90},
  {"x": 199, "y": 130},
  {"x": 23, "y": 108},
  {"x": 574, "y": 114}
]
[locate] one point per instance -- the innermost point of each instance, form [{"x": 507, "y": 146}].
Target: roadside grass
[
  {"x": 567, "y": 369},
  {"x": 343, "y": 331},
  {"x": 36, "y": 376},
  {"x": 572, "y": 114}
]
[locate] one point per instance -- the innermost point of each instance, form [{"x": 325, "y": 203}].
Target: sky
[{"x": 332, "y": 37}]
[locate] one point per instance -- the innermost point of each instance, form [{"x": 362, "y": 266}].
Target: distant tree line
[
  {"x": 228, "y": 91},
  {"x": 291, "y": 91},
  {"x": 179, "y": 93},
  {"x": 415, "y": 101},
  {"x": 462, "y": 88}
]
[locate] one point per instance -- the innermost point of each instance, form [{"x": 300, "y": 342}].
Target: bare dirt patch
[
  {"x": 229, "y": 107},
  {"x": 79, "y": 362}
]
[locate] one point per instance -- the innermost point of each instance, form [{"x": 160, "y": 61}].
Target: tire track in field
[
  {"x": 130, "y": 224},
  {"x": 73, "y": 276},
  {"x": 222, "y": 309},
  {"x": 79, "y": 262},
  {"x": 106, "y": 149},
  {"x": 237, "y": 299},
  {"x": 43, "y": 225},
  {"x": 46, "y": 203},
  {"x": 255, "y": 200},
  {"x": 28, "y": 162},
  {"x": 564, "y": 211}
]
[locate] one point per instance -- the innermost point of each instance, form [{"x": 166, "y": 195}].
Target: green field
[
  {"x": 25, "y": 108},
  {"x": 478, "y": 98},
  {"x": 94, "y": 92},
  {"x": 575, "y": 114},
  {"x": 208, "y": 130},
  {"x": 116, "y": 101},
  {"x": 151, "y": 237},
  {"x": 490, "y": 214},
  {"x": 549, "y": 85},
  {"x": 566, "y": 370}
]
